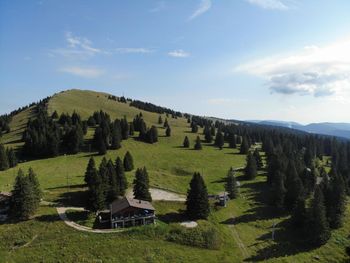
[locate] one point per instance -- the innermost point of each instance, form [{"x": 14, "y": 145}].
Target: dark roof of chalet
[{"x": 121, "y": 204}]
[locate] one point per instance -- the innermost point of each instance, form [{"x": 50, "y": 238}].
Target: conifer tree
[
  {"x": 160, "y": 120},
  {"x": 194, "y": 127},
  {"x": 4, "y": 162},
  {"x": 278, "y": 190},
  {"x": 232, "y": 141},
  {"x": 121, "y": 178},
  {"x": 141, "y": 185},
  {"x": 231, "y": 184},
  {"x": 186, "y": 143},
  {"x": 299, "y": 214},
  {"x": 116, "y": 135},
  {"x": 132, "y": 129},
  {"x": 244, "y": 146},
  {"x": 54, "y": 115},
  {"x": 124, "y": 128},
  {"x": 90, "y": 171},
  {"x": 197, "y": 203},
  {"x": 198, "y": 144},
  {"x": 219, "y": 139},
  {"x": 97, "y": 196},
  {"x": 250, "y": 169},
  {"x": 113, "y": 187},
  {"x": 258, "y": 159},
  {"x": 33, "y": 179},
  {"x": 166, "y": 124},
  {"x": 318, "y": 228},
  {"x": 212, "y": 130},
  {"x": 207, "y": 135},
  {"x": 294, "y": 187},
  {"x": 128, "y": 162},
  {"x": 99, "y": 141},
  {"x": 12, "y": 158},
  {"x": 168, "y": 131}
]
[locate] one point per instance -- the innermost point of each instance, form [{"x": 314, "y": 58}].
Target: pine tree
[
  {"x": 97, "y": 196},
  {"x": 194, "y": 127},
  {"x": 113, "y": 187},
  {"x": 141, "y": 185},
  {"x": 166, "y": 124},
  {"x": 121, "y": 178},
  {"x": 32, "y": 177},
  {"x": 212, "y": 130},
  {"x": 160, "y": 120},
  {"x": 250, "y": 169},
  {"x": 12, "y": 158},
  {"x": 186, "y": 143},
  {"x": 219, "y": 139},
  {"x": 318, "y": 228},
  {"x": 294, "y": 187},
  {"x": 168, "y": 131},
  {"x": 54, "y": 115},
  {"x": 244, "y": 146},
  {"x": 99, "y": 141},
  {"x": 207, "y": 135},
  {"x": 198, "y": 144},
  {"x": 231, "y": 184},
  {"x": 278, "y": 190},
  {"x": 116, "y": 135},
  {"x": 90, "y": 171},
  {"x": 124, "y": 128},
  {"x": 197, "y": 203},
  {"x": 232, "y": 141},
  {"x": 299, "y": 215},
  {"x": 128, "y": 162},
  {"x": 4, "y": 162},
  {"x": 258, "y": 159},
  {"x": 132, "y": 129}
]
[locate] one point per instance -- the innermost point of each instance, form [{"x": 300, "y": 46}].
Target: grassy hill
[{"x": 246, "y": 237}]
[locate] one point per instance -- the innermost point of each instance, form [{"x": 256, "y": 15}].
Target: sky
[{"x": 235, "y": 59}]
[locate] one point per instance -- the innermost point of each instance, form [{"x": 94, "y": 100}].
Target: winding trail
[{"x": 238, "y": 240}]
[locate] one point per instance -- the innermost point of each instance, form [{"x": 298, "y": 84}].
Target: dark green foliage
[
  {"x": 73, "y": 139},
  {"x": 90, "y": 171},
  {"x": 116, "y": 135},
  {"x": 219, "y": 139},
  {"x": 186, "y": 143},
  {"x": 166, "y": 124},
  {"x": 250, "y": 170},
  {"x": 232, "y": 141},
  {"x": 128, "y": 162},
  {"x": 244, "y": 146},
  {"x": 141, "y": 185},
  {"x": 12, "y": 158},
  {"x": 198, "y": 144},
  {"x": 160, "y": 120},
  {"x": 91, "y": 121},
  {"x": 54, "y": 115},
  {"x": 258, "y": 159},
  {"x": 278, "y": 190},
  {"x": 99, "y": 141},
  {"x": 212, "y": 130},
  {"x": 131, "y": 129},
  {"x": 231, "y": 184},
  {"x": 122, "y": 182},
  {"x": 4, "y": 162},
  {"x": 299, "y": 215},
  {"x": 113, "y": 187},
  {"x": 197, "y": 203},
  {"x": 207, "y": 134},
  {"x": 26, "y": 196},
  {"x": 97, "y": 195},
  {"x": 124, "y": 128},
  {"x": 318, "y": 228},
  {"x": 294, "y": 187},
  {"x": 168, "y": 131}
]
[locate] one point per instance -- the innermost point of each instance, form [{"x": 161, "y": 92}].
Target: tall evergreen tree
[
  {"x": 141, "y": 185},
  {"x": 113, "y": 187},
  {"x": 116, "y": 135},
  {"x": 250, "y": 169},
  {"x": 168, "y": 131},
  {"x": 12, "y": 158},
  {"x": 160, "y": 120},
  {"x": 294, "y": 187},
  {"x": 121, "y": 178},
  {"x": 198, "y": 144},
  {"x": 124, "y": 128},
  {"x": 258, "y": 159},
  {"x": 99, "y": 141},
  {"x": 318, "y": 228},
  {"x": 166, "y": 124},
  {"x": 219, "y": 139},
  {"x": 232, "y": 141},
  {"x": 186, "y": 143},
  {"x": 299, "y": 215},
  {"x": 278, "y": 190},
  {"x": 197, "y": 203},
  {"x": 244, "y": 146},
  {"x": 97, "y": 196},
  {"x": 33, "y": 179},
  {"x": 207, "y": 134},
  {"x": 90, "y": 171},
  {"x": 128, "y": 162},
  {"x": 231, "y": 184},
  {"x": 4, "y": 162}
]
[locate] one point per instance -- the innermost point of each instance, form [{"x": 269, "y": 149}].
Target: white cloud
[
  {"x": 158, "y": 7},
  {"x": 83, "y": 72},
  {"x": 203, "y": 7},
  {"x": 270, "y": 4},
  {"x": 179, "y": 53},
  {"x": 77, "y": 47},
  {"x": 314, "y": 70},
  {"x": 126, "y": 50}
]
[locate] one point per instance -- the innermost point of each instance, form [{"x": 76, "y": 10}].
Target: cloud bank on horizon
[{"x": 315, "y": 70}]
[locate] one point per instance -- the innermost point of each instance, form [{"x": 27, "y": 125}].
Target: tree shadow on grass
[
  {"x": 76, "y": 198},
  {"x": 76, "y": 186},
  {"x": 287, "y": 242},
  {"x": 48, "y": 218},
  {"x": 173, "y": 217}
]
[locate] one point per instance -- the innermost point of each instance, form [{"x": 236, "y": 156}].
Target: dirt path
[
  {"x": 238, "y": 240},
  {"x": 62, "y": 214},
  {"x": 159, "y": 194},
  {"x": 26, "y": 244}
]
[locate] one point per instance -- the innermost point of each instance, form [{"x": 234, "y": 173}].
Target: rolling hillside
[{"x": 244, "y": 226}]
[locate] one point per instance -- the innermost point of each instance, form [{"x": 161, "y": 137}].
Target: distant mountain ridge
[{"x": 325, "y": 128}]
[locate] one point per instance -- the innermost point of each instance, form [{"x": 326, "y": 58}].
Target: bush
[
  {"x": 348, "y": 251},
  {"x": 203, "y": 237}
]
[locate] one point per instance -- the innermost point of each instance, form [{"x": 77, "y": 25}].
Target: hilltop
[{"x": 244, "y": 226}]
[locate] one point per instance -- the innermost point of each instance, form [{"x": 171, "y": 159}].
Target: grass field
[{"x": 248, "y": 237}]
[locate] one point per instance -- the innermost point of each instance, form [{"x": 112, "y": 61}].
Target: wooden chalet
[{"x": 128, "y": 212}]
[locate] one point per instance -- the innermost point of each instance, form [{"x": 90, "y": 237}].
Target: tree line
[{"x": 8, "y": 158}]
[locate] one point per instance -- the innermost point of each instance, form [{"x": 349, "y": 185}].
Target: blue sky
[{"x": 239, "y": 59}]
